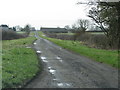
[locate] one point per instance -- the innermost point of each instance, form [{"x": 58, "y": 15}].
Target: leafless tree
[{"x": 83, "y": 24}]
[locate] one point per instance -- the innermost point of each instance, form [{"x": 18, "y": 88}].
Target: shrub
[
  {"x": 9, "y": 35},
  {"x": 96, "y": 41},
  {"x": 92, "y": 40},
  {"x": 61, "y": 36}
]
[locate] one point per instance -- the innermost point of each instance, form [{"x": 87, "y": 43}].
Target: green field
[
  {"x": 95, "y": 32},
  {"x": 20, "y": 32},
  {"x": 86, "y": 32},
  {"x": 65, "y": 33},
  {"x": 19, "y": 64},
  {"x": 104, "y": 56}
]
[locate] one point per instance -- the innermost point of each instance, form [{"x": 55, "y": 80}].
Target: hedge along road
[{"x": 64, "y": 69}]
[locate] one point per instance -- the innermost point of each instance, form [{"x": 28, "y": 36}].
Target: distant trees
[
  {"x": 14, "y": 29},
  {"x": 26, "y": 29},
  {"x": 18, "y": 28},
  {"x": 83, "y": 24},
  {"x": 74, "y": 28},
  {"x": 67, "y": 27},
  {"x": 80, "y": 27}
]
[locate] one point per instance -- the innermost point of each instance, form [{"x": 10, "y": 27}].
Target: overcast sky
[{"x": 37, "y": 13}]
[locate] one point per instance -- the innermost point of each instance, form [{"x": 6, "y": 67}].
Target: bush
[
  {"x": 92, "y": 40},
  {"x": 61, "y": 36},
  {"x": 9, "y": 35},
  {"x": 96, "y": 41}
]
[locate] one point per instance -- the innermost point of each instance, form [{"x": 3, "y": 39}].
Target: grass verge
[
  {"x": 19, "y": 64},
  {"x": 104, "y": 56}
]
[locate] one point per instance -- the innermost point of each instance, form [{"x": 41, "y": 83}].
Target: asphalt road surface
[{"x": 64, "y": 69}]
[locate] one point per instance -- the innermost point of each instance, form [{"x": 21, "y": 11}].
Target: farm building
[
  {"x": 54, "y": 30},
  {"x": 4, "y": 27}
]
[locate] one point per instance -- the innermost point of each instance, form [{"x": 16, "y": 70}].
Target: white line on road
[
  {"x": 43, "y": 58},
  {"x": 58, "y": 57},
  {"x": 39, "y": 52},
  {"x": 34, "y": 43},
  {"x": 63, "y": 84},
  {"x": 52, "y": 71}
]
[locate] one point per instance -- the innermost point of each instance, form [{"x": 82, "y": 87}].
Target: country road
[{"x": 64, "y": 69}]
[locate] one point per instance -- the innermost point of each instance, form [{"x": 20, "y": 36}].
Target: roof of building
[{"x": 3, "y": 25}]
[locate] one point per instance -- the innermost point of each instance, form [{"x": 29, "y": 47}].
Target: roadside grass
[
  {"x": 32, "y": 33},
  {"x": 19, "y": 64},
  {"x": 104, "y": 56}
]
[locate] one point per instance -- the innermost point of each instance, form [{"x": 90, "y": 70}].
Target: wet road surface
[{"x": 64, "y": 69}]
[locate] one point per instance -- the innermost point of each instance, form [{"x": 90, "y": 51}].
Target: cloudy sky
[{"x": 37, "y": 13}]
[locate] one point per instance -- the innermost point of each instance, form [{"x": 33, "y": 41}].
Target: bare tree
[
  {"x": 83, "y": 24},
  {"x": 80, "y": 27},
  {"x": 67, "y": 27},
  {"x": 27, "y": 29}
]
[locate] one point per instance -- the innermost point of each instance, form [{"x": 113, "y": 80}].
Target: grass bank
[
  {"x": 19, "y": 64},
  {"x": 104, "y": 56}
]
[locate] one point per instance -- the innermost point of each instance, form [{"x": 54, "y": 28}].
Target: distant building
[
  {"x": 33, "y": 29},
  {"x": 54, "y": 30},
  {"x": 4, "y": 27}
]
